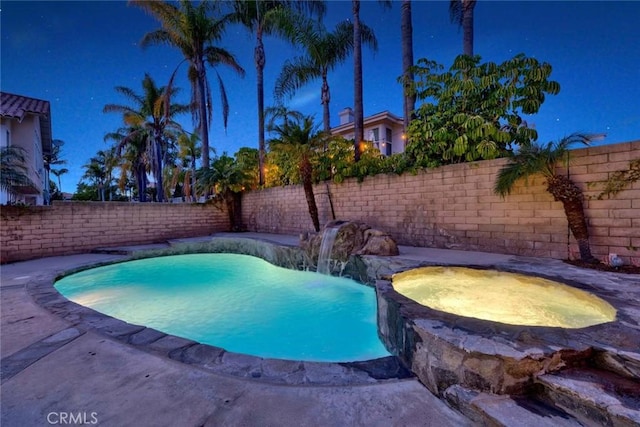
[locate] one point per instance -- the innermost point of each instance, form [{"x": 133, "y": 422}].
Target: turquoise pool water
[{"x": 238, "y": 302}]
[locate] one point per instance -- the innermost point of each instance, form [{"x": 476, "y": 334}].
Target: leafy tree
[
  {"x": 150, "y": 119},
  {"x": 461, "y": 13},
  {"x": 474, "y": 111},
  {"x": 193, "y": 29},
  {"x": 323, "y": 51},
  {"x": 300, "y": 140},
  {"x": 543, "y": 159},
  {"x": 13, "y": 170},
  {"x": 227, "y": 180},
  {"x": 86, "y": 191},
  {"x": 247, "y": 160},
  {"x": 268, "y": 17}
]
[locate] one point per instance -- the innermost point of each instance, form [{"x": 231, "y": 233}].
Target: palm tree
[
  {"x": 301, "y": 140},
  {"x": 280, "y": 112},
  {"x": 189, "y": 150},
  {"x": 99, "y": 171},
  {"x": 131, "y": 149},
  {"x": 358, "y": 109},
  {"x": 409, "y": 97},
  {"x": 227, "y": 180},
  {"x": 461, "y": 13},
  {"x": 58, "y": 173},
  {"x": 193, "y": 31},
  {"x": 151, "y": 119},
  {"x": 13, "y": 170},
  {"x": 323, "y": 52},
  {"x": 534, "y": 159},
  {"x": 268, "y": 17}
]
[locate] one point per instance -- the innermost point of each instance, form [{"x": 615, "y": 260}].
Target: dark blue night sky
[{"x": 75, "y": 53}]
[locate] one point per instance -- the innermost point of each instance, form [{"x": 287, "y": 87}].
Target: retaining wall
[
  {"x": 75, "y": 227},
  {"x": 454, "y": 207}
]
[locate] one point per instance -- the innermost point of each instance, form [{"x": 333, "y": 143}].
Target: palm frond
[
  {"x": 295, "y": 74},
  {"x": 533, "y": 159},
  {"x": 224, "y": 101}
]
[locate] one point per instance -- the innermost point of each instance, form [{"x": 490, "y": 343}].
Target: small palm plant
[
  {"x": 300, "y": 140},
  {"x": 13, "y": 170},
  {"x": 534, "y": 159},
  {"x": 226, "y": 179}
]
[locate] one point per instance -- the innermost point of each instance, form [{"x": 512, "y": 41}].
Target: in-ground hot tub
[
  {"x": 490, "y": 330},
  {"x": 503, "y": 297}
]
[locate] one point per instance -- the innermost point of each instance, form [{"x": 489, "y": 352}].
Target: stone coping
[
  {"x": 207, "y": 357},
  {"x": 444, "y": 349}
]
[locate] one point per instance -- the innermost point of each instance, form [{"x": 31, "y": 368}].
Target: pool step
[
  {"x": 593, "y": 396},
  {"x": 506, "y": 411}
]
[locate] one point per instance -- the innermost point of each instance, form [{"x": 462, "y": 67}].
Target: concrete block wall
[
  {"x": 75, "y": 227},
  {"x": 454, "y": 207}
]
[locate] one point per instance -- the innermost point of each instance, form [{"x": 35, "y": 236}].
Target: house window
[{"x": 388, "y": 143}]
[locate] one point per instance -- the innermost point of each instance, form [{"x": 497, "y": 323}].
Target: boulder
[{"x": 352, "y": 238}]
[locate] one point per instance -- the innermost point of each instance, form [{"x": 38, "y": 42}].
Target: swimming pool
[{"x": 238, "y": 302}]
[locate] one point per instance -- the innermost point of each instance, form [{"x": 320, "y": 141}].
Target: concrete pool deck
[{"x": 53, "y": 368}]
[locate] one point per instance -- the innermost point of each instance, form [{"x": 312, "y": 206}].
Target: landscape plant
[
  {"x": 225, "y": 180},
  {"x": 474, "y": 110},
  {"x": 300, "y": 141},
  {"x": 544, "y": 159},
  {"x": 13, "y": 172}
]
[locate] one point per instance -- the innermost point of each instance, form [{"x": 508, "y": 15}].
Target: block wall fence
[
  {"x": 454, "y": 207},
  {"x": 75, "y": 227},
  {"x": 448, "y": 207}
]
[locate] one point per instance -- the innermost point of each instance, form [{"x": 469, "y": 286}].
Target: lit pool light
[{"x": 509, "y": 298}]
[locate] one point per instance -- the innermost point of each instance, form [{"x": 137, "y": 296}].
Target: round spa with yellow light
[{"x": 503, "y": 297}]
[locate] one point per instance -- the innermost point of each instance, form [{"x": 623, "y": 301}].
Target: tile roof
[{"x": 17, "y": 107}]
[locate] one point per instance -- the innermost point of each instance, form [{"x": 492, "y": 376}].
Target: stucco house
[
  {"x": 384, "y": 129},
  {"x": 26, "y": 122}
]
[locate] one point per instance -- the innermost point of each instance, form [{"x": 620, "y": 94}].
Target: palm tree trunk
[
  {"x": 467, "y": 26},
  {"x": 141, "y": 182},
  {"x": 358, "y": 124},
  {"x": 307, "y": 184},
  {"x": 228, "y": 197},
  {"x": 157, "y": 172},
  {"x": 260, "y": 63},
  {"x": 193, "y": 179},
  {"x": 407, "y": 62},
  {"x": 204, "y": 122},
  {"x": 570, "y": 195},
  {"x": 325, "y": 96},
  {"x": 577, "y": 221}
]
